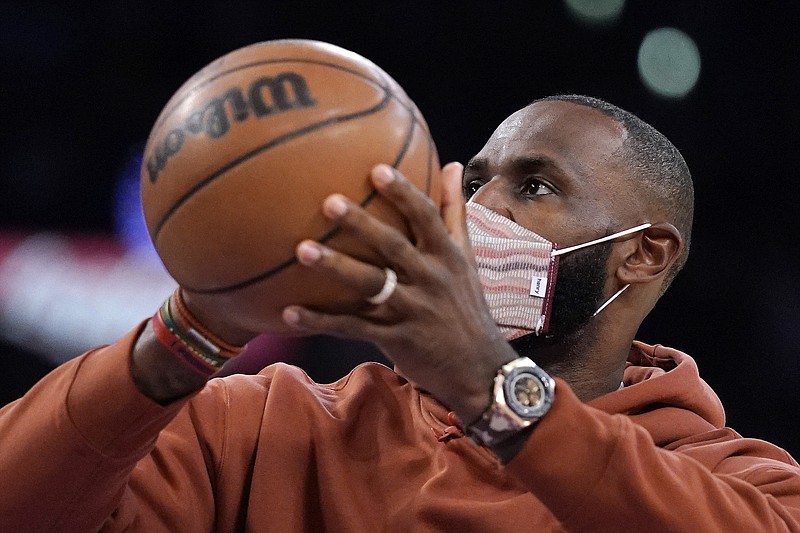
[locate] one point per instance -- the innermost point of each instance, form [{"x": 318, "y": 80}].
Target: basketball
[{"x": 240, "y": 159}]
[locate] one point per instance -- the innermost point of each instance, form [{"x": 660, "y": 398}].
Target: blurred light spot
[
  {"x": 596, "y": 12},
  {"x": 669, "y": 62},
  {"x": 62, "y": 295},
  {"x": 128, "y": 216}
]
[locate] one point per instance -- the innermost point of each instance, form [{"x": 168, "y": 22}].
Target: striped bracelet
[{"x": 179, "y": 332}]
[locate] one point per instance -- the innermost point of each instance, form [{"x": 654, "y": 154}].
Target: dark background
[{"x": 83, "y": 82}]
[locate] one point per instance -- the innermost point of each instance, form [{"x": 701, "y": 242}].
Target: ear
[{"x": 649, "y": 257}]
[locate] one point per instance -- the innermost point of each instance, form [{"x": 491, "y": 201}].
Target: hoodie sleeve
[
  {"x": 71, "y": 443},
  {"x": 601, "y": 472}
]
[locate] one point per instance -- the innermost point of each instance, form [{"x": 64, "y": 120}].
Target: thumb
[{"x": 453, "y": 211}]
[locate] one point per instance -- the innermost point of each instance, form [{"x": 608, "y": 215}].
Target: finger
[
  {"x": 366, "y": 279},
  {"x": 453, "y": 207},
  {"x": 344, "y": 326},
  {"x": 389, "y": 242},
  {"x": 417, "y": 208}
]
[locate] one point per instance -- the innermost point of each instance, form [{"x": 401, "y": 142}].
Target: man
[{"x": 601, "y": 434}]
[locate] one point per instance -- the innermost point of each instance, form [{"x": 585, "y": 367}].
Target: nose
[{"x": 493, "y": 195}]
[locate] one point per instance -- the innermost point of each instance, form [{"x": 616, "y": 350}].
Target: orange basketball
[{"x": 239, "y": 161}]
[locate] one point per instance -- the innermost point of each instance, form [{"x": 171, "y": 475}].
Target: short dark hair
[{"x": 656, "y": 165}]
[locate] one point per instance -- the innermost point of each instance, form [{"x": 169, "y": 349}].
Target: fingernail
[
  {"x": 454, "y": 166},
  {"x": 291, "y": 316},
  {"x": 383, "y": 175},
  {"x": 335, "y": 205},
  {"x": 308, "y": 253}
]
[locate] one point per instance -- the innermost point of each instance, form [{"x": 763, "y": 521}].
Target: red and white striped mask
[{"x": 518, "y": 270}]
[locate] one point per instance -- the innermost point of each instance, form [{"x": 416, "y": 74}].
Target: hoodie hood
[{"x": 663, "y": 393}]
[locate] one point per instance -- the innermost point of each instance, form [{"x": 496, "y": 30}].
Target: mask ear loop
[
  {"x": 634, "y": 229},
  {"x": 601, "y": 239},
  {"x": 614, "y": 297}
]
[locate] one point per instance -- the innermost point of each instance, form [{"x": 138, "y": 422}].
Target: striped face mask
[{"x": 518, "y": 270}]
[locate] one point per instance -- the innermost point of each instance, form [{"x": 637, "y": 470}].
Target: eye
[
  {"x": 534, "y": 187},
  {"x": 471, "y": 187}
]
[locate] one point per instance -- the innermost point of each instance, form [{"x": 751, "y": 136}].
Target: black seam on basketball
[
  {"x": 264, "y": 147},
  {"x": 189, "y": 92},
  {"x": 431, "y": 152},
  {"x": 327, "y": 236}
]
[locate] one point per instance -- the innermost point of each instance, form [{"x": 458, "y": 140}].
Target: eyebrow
[{"x": 520, "y": 164}]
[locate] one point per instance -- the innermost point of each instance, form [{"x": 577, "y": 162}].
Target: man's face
[{"x": 553, "y": 168}]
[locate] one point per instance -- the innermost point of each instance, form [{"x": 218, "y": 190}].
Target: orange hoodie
[{"x": 84, "y": 450}]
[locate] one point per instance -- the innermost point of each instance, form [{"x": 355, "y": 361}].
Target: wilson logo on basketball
[{"x": 286, "y": 91}]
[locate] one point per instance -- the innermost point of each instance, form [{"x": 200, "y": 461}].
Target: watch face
[
  {"x": 526, "y": 394},
  {"x": 522, "y": 395},
  {"x": 527, "y": 390}
]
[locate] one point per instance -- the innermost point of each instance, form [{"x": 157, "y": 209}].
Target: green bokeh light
[
  {"x": 669, "y": 62},
  {"x": 596, "y": 12}
]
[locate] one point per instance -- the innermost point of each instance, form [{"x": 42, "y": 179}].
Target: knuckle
[
  {"x": 356, "y": 216},
  {"x": 401, "y": 249}
]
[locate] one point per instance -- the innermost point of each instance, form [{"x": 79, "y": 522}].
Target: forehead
[{"x": 578, "y": 139}]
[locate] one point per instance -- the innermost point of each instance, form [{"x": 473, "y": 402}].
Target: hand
[{"x": 435, "y": 326}]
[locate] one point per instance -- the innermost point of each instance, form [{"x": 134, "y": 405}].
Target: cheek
[
  {"x": 550, "y": 222},
  {"x": 565, "y": 223},
  {"x": 592, "y": 217}
]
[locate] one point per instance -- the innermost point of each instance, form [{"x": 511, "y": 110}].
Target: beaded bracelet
[{"x": 181, "y": 334}]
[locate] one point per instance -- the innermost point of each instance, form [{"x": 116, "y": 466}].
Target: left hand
[{"x": 436, "y": 326}]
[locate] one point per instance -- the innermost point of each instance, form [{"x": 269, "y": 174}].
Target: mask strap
[
  {"x": 614, "y": 297},
  {"x": 601, "y": 239}
]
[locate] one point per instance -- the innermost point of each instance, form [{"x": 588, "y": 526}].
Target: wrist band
[
  {"x": 198, "y": 332},
  {"x": 181, "y": 334}
]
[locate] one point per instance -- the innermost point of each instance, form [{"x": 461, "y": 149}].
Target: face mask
[{"x": 518, "y": 270}]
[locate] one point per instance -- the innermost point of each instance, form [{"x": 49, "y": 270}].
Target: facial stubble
[{"x": 578, "y": 294}]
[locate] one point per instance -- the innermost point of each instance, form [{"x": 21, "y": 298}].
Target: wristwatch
[{"x": 523, "y": 393}]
